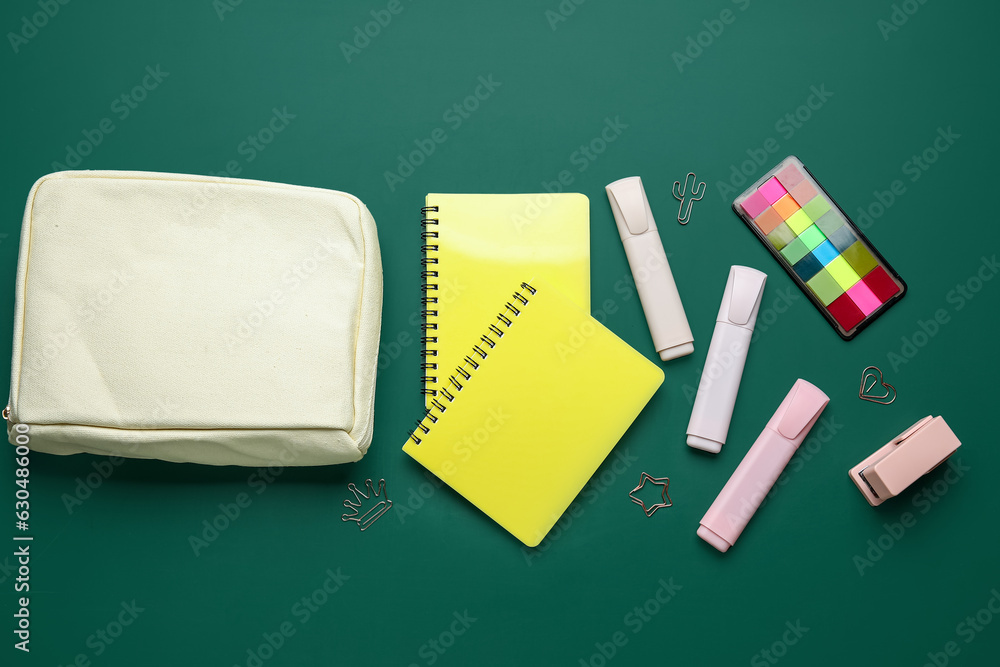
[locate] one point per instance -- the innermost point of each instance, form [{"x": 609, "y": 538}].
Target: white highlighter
[
  {"x": 653, "y": 280},
  {"x": 727, "y": 354}
]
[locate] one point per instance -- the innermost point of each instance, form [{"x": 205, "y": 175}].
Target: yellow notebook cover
[
  {"x": 476, "y": 246},
  {"x": 543, "y": 394}
]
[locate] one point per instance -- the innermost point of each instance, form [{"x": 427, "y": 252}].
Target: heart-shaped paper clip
[{"x": 871, "y": 383}]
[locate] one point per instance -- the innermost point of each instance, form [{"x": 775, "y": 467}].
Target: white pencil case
[{"x": 195, "y": 319}]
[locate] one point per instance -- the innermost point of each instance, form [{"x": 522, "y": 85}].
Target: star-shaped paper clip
[{"x": 658, "y": 481}]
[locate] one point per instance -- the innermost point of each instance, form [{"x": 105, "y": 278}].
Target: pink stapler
[{"x": 907, "y": 457}]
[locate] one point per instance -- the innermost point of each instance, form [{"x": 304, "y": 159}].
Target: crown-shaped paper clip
[
  {"x": 662, "y": 482},
  {"x": 366, "y": 508}
]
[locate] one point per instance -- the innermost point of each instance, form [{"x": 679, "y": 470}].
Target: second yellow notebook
[
  {"x": 476, "y": 246},
  {"x": 543, "y": 393}
]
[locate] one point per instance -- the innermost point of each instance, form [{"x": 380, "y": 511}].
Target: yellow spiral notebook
[
  {"x": 476, "y": 246},
  {"x": 542, "y": 395}
]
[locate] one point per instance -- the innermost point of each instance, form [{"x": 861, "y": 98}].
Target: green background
[{"x": 412, "y": 571}]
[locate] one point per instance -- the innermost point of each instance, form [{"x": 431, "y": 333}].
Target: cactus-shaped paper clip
[{"x": 680, "y": 190}]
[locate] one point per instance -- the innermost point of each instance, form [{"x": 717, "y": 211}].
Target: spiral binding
[
  {"x": 428, "y": 312},
  {"x": 470, "y": 363}
]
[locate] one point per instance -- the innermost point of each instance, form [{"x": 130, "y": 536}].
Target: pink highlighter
[{"x": 756, "y": 474}]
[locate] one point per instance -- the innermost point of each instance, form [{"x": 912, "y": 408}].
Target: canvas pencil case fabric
[{"x": 195, "y": 319}]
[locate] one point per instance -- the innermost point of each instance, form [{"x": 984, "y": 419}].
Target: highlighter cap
[
  {"x": 742, "y": 297},
  {"x": 629, "y": 205},
  {"x": 798, "y": 412}
]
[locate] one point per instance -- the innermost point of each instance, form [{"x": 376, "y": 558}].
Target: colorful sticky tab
[
  {"x": 772, "y": 190},
  {"x": 881, "y": 284},
  {"x": 807, "y": 267},
  {"x": 754, "y": 204},
  {"x": 768, "y": 220},
  {"x": 843, "y": 238},
  {"x": 812, "y": 237},
  {"x": 816, "y": 207},
  {"x": 866, "y": 300},
  {"x": 794, "y": 251},
  {"x": 790, "y": 176},
  {"x": 825, "y": 253},
  {"x": 829, "y": 222},
  {"x": 819, "y": 246},
  {"x": 825, "y": 287},
  {"x": 781, "y": 236},
  {"x": 785, "y": 207},
  {"x": 843, "y": 273},
  {"x": 799, "y": 222},
  {"x": 846, "y": 312},
  {"x": 860, "y": 259},
  {"x": 803, "y": 193}
]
